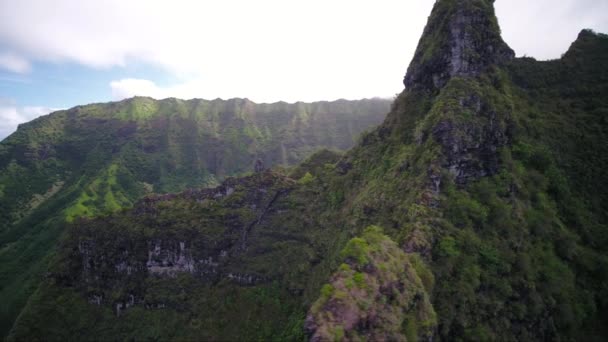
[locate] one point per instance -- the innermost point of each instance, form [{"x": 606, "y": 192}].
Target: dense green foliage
[
  {"x": 522, "y": 254},
  {"x": 488, "y": 189},
  {"x": 246, "y": 242},
  {"x": 96, "y": 159}
]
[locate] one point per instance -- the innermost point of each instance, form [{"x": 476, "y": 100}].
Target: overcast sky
[{"x": 61, "y": 53}]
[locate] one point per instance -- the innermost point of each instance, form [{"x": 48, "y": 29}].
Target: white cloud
[
  {"x": 130, "y": 87},
  {"x": 338, "y": 48},
  {"x": 14, "y": 63},
  {"x": 12, "y": 115},
  {"x": 261, "y": 92},
  {"x": 545, "y": 29},
  {"x": 265, "y": 50},
  {"x": 302, "y": 50}
]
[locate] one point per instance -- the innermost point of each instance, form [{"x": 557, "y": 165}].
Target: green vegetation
[
  {"x": 99, "y": 197},
  {"x": 243, "y": 266},
  {"x": 97, "y": 159},
  {"x": 388, "y": 297},
  {"x": 306, "y": 179},
  {"x": 487, "y": 189}
]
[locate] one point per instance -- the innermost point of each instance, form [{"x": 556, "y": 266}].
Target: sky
[{"x": 61, "y": 53}]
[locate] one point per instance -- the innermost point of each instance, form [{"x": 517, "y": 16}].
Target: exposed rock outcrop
[
  {"x": 376, "y": 295},
  {"x": 462, "y": 38},
  {"x": 456, "y": 62},
  {"x": 471, "y": 145},
  {"x": 166, "y": 249}
]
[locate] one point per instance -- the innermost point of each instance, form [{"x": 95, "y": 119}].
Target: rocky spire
[{"x": 461, "y": 38}]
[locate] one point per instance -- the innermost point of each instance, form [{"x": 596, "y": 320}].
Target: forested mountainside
[
  {"x": 95, "y": 159},
  {"x": 475, "y": 211}
]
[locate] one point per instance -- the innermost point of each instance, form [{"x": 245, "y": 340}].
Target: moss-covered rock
[{"x": 376, "y": 295}]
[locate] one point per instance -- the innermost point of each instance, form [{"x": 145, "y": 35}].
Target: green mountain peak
[{"x": 461, "y": 38}]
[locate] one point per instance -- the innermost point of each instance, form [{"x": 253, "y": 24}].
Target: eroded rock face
[
  {"x": 462, "y": 38},
  {"x": 376, "y": 295},
  {"x": 170, "y": 261},
  {"x": 471, "y": 147},
  {"x": 457, "y": 61},
  {"x": 157, "y": 244}
]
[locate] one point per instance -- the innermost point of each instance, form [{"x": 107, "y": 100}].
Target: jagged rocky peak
[
  {"x": 585, "y": 42},
  {"x": 461, "y": 38}
]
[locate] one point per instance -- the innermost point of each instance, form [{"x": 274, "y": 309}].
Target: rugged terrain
[
  {"x": 96, "y": 159},
  {"x": 475, "y": 211}
]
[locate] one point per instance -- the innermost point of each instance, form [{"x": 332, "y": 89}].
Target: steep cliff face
[
  {"x": 229, "y": 263},
  {"x": 473, "y": 124},
  {"x": 169, "y": 145},
  {"x": 462, "y": 38},
  {"x": 481, "y": 175},
  {"x": 158, "y": 239},
  {"x": 470, "y": 115}
]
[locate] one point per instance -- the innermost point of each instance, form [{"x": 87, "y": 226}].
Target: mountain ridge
[{"x": 95, "y": 159}]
